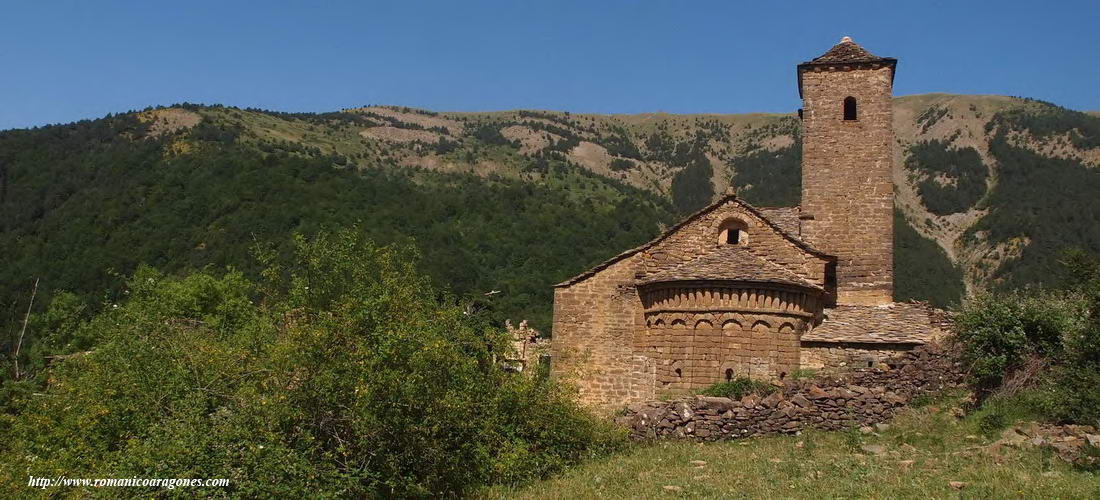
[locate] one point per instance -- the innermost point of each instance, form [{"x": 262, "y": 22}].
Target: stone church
[{"x": 736, "y": 290}]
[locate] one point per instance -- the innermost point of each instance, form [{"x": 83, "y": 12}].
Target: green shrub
[
  {"x": 342, "y": 373},
  {"x": 998, "y": 333},
  {"x": 738, "y": 388},
  {"x": 1078, "y": 378}
]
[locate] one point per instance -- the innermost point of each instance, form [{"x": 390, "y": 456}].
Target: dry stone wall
[{"x": 861, "y": 398}]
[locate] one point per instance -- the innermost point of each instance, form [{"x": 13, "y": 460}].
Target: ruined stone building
[{"x": 736, "y": 290}]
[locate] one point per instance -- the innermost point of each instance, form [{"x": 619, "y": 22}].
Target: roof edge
[{"x": 676, "y": 227}]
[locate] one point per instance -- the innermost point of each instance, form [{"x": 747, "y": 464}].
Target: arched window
[
  {"x": 729, "y": 374},
  {"x": 850, "y": 108},
  {"x": 732, "y": 232}
]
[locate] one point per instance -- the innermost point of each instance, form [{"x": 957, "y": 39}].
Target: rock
[
  {"x": 866, "y": 429},
  {"x": 1009, "y": 437},
  {"x": 749, "y": 401},
  {"x": 816, "y": 392},
  {"x": 873, "y": 449},
  {"x": 958, "y": 485},
  {"x": 672, "y": 489},
  {"x": 716, "y": 403},
  {"x": 882, "y": 427},
  {"x": 699, "y": 463},
  {"x": 843, "y": 393},
  {"x": 772, "y": 400},
  {"x": 801, "y": 401},
  {"x": 683, "y": 411},
  {"x": 905, "y": 464},
  {"x": 1030, "y": 429},
  {"x": 1093, "y": 440}
]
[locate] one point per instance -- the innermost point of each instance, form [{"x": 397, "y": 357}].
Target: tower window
[
  {"x": 729, "y": 374},
  {"x": 850, "y": 108}
]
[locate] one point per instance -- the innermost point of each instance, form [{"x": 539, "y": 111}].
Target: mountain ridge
[{"x": 212, "y": 171}]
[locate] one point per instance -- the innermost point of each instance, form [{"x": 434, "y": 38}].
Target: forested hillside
[{"x": 503, "y": 205}]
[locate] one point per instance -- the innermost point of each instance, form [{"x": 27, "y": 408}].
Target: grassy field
[{"x": 922, "y": 454}]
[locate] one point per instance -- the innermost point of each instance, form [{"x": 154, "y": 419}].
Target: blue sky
[{"x": 63, "y": 61}]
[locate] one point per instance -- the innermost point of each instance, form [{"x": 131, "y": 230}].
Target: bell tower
[{"x": 847, "y": 187}]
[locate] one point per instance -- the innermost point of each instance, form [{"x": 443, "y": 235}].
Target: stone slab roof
[
  {"x": 733, "y": 263},
  {"x": 894, "y": 323},
  {"x": 784, "y": 217},
  {"x": 792, "y": 237},
  {"x": 846, "y": 52}
]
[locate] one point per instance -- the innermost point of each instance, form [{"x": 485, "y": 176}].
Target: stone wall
[
  {"x": 529, "y": 349},
  {"x": 700, "y": 236},
  {"x": 593, "y": 336},
  {"x": 836, "y": 356},
  {"x": 859, "y": 398},
  {"x": 707, "y": 333},
  {"x": 847, "y": 187},
  {"x": 600, "y": 332}
]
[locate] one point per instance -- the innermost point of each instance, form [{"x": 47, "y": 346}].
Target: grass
[{"x": 942, "y": 449}]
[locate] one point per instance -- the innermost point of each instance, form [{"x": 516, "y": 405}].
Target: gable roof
[
  {"x": 691, "y": 218},
  {"x": 730, "y": 262}
]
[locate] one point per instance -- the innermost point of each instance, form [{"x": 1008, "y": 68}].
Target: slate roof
[
  {"x": 792, "y": 237},
  {"x": 784, "y": 217},
  {"x": 846, "y": 52},
  {"x": 729, "y": 262},
  {"x": 894, "y": 323}
]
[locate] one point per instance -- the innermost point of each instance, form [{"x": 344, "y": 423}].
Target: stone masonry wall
[
  {"x": 846, "y": 177},
  {"x": 599, "y": 321},
  {"x": 861, "y": 398},
  {"x": 593, "y": 336},
  {"x": 833, "y": 356},
  {"x": 701, "y": 236}
]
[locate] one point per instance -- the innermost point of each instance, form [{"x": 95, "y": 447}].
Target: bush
[
  {"x": 1078, "y": 378},
  {"x": 1009, "y": 337},
  {"x": 998, "y": 333},
  {"x": 738, "y": 388},
  {"x": 341, "y": 373}
]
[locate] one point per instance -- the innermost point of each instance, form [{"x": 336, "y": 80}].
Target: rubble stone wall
[
  {"x": 833, "y": 356},
  {"x": 859, "y": 398}
]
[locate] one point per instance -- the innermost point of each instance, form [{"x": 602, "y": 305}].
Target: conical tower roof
[{"x": 847, "y": 52}]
